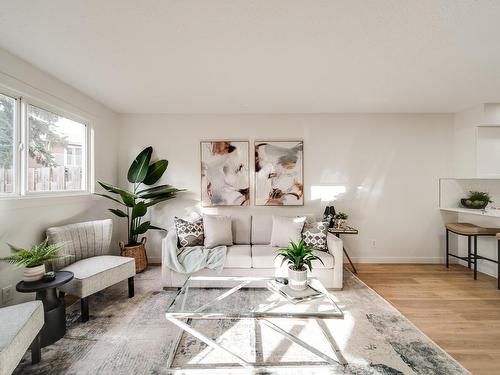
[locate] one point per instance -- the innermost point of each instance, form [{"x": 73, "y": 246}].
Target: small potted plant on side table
[
  {"x": 299, "y": 258},
  {"x": 34, "y": 259},
  {"x": 340, "y": 219},
  {"x": 477, "y": 200}
]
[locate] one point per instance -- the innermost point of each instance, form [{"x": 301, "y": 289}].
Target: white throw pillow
[
  {"x": 217, "y": 230},
  {"x": 286, "y": 229}
]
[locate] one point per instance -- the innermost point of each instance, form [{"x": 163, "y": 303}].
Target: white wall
[
  {"x": 471, "y": 158},
  {"x": 23, "y": 221},
  {"x": 389, "y": 163}
]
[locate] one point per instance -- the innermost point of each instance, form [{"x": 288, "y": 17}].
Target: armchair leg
[
  {"x": 130, "y": 287},
  {"x": 36, "y": 352},
  {"x": 84, "y": 303}
]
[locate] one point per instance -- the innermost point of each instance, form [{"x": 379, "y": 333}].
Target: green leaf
[
  {"x": 139, "y": 210},
  {"x": 143, "y": 228},
  {"x": 128, "y": 198},
  {"x": 159, "y": 190},
  {"x": 107, "y": 196},
  {"x": 158, "y": 200},
  {"x": 111, "y": 188},
  {"x": 119, "y": 213},
  {"x": 155, "y": 171},
  {"x": 139, "y": 167},
  {"x": 155, "y": 227}
]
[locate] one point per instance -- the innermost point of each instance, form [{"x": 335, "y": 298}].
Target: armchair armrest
[{"x": 336, "y": 248}]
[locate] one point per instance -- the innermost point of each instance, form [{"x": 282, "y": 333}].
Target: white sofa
[{"x": 251, "y": 255}]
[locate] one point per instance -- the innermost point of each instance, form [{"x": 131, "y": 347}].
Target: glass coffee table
[{"x": 249, "y": 298}]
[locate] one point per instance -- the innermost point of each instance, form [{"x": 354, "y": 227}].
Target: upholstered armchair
[
  {"x": 20, "y": 327},
  {"x": 87, "y": 248}
]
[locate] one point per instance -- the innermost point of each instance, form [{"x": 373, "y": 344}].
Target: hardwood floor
[{"x": 461, "y": 315}]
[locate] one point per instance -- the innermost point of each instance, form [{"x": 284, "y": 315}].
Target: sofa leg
[
  {"x": 130, "y": 287},
  {"x": 84, "y": 303},
  {"x": 36, "y": 352}
]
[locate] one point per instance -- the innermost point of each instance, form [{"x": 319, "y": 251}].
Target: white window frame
[
  {"x": 73, "y": 156},
  {"x": 15, "y": 148},
  {"x": 20, "y": 158}
]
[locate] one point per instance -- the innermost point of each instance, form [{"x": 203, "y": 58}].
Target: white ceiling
[{"x": 264, "y": 56}]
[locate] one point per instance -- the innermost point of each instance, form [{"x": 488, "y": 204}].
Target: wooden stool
[{"x": 470, "y": 231}]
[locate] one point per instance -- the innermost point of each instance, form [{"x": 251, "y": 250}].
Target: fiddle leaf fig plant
[{"x": 136, "y": 203}]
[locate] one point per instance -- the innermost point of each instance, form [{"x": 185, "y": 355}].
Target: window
[
  {"x": 7, "y": 142},
  {"x": 41, "y": 151},
  {"x": 55, "y": 145}
]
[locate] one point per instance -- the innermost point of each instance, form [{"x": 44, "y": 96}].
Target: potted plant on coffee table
[
  {"x": 34, "y": 259},
  {"x": 136, "y": 202},
  {"x": 299, "y": 258}
]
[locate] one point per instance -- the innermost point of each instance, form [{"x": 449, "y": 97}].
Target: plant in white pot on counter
[
  {"x": 34, "y": 259},
  {"x": 299, "y": 258}
]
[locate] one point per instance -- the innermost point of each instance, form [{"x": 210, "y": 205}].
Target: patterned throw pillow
[
  {"x": 189, "y": 233},
  {"x": 314, "y": 235}
]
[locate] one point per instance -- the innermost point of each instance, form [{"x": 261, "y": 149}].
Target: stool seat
[{"x": 468, "y": 229}]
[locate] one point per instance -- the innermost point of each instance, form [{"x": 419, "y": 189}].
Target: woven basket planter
[{"x": 138, "y": 252}]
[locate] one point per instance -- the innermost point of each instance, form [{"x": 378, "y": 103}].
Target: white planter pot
[
  {"x": 34, "y": 273},
  {"x": 297, "y": 280}
]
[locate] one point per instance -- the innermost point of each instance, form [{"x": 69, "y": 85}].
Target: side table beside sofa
[{"x": 53, "y": 306}]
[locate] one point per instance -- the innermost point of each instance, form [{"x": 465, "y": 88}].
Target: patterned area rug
[{"x": 132, "y": 336}]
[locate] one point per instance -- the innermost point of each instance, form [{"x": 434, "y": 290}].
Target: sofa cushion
[
  {"x": 238, "y": 256},
  {"x": 286, "y": 229},
  {"x": 314, "y": 234},
  {"x": 19, "y": 326},
  {"x": 262, "y": 226},
  {"x": 241, "y": 229},
  {"x": 264, "y": 256},
  {"x": 217, "y": 230},
  {"x": 97, "y": 273},
  {"x": 189, "y": 233}
]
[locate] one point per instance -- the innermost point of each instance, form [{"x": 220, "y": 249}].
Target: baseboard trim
[
  {"x": 155, "y": 260},
  {"x": 425, "y": 260}
]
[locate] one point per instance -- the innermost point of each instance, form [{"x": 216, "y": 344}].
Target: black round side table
[{"x": 53, "y": 306}]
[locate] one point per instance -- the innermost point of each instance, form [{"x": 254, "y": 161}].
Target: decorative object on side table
[
  {"x": 54, "y": 307},
  {"x": 329, "y": 215},
  {"x": 34, "y": 259},
  {"x": 477, "y": 200},
  {"x": 137, "y": 202},
  {"x": 345, "y": 230},
  {"x": 299, "y": 258},
  {"x": 340, "y": 219}
]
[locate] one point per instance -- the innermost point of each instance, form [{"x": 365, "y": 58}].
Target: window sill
[{"x": 48, "y": 199}]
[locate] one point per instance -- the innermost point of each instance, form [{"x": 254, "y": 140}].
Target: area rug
[{"x": 132, "y": 336}]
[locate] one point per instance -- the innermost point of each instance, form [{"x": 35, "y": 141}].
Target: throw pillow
[
  {"x": 286, "y": 229},
  {"x": 217, "y": 230},
  {"x": 189, "y": 233},
  {"x": 314, "y": 235}
]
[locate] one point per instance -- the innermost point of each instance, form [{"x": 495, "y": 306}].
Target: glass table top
[{"x": 246, "y": 297}]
